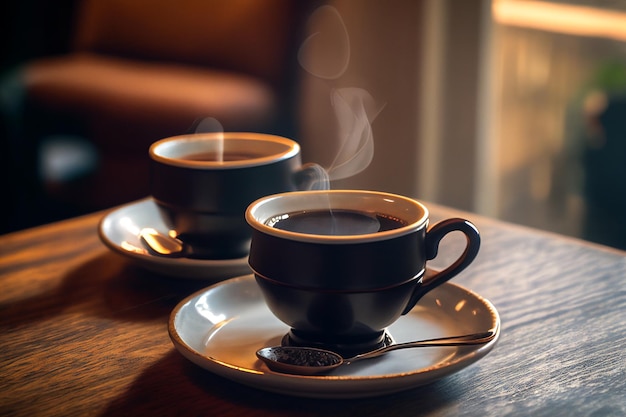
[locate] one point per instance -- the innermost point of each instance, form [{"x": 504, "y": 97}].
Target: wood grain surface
[{"x": 84, "y": 332}]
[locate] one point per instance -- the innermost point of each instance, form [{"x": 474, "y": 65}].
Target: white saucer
[
  {"x": 221, "y": 327},
  {"x": 119, "y": 230}
]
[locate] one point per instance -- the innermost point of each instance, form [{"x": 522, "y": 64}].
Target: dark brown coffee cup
[
  {"x": 202, "y": 184},
  {"x": 339, "y": 266}
]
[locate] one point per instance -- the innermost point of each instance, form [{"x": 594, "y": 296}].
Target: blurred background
[{"x": 507, "y": 108}]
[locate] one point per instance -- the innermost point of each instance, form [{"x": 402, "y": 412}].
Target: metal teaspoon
[
  {"x": 311, "y": 361},
  {"x": 162, "y": 244}
]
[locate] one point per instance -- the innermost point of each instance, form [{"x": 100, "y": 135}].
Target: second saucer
[{"x": 120, "y": 230}]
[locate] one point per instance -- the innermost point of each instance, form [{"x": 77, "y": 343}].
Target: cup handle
[
  {"x": 311, "y": 177},
  {"x": 433, "y": 238}
]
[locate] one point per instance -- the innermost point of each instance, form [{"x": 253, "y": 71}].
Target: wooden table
[{"x": 83, "y": 332}]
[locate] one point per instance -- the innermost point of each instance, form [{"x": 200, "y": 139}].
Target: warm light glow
[
  {"x": 132, "y": 248},
  {"x": 128, "y": 224},
  {"x": 204, "y": 309},
  {"x": 561, "y": 18}
]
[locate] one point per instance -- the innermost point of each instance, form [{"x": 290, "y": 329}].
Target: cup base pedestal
[{"x": 345, "y": 349}]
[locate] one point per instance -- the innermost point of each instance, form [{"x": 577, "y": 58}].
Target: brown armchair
[{"x": 142, "y": 70}]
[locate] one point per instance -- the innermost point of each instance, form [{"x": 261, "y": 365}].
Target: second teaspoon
[{"x": 162, "y": 244}]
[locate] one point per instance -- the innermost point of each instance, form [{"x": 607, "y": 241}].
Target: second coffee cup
[{"x": 202, "y": 184}]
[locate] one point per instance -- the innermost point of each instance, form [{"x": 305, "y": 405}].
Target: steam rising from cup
[
  {"x": 330, "y": 36},
  {"x": 212, "y": 125},
  {"x": 355, "y": 110},
  {"x": 325, "y": 54}
]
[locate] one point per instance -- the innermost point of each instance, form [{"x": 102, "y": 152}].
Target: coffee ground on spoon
[{"x": 303, "y": 357}]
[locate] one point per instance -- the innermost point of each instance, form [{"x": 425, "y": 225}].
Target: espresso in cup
[
  {"x": 336, "y": 222},
  {"x": 202, "y": 184},
  {"x": 221, "y": 156},
  {"x": 340, "y": 266}
]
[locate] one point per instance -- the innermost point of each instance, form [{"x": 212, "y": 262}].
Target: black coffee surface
[
  {"x": 335, "y": 222},
  {"x": 227, "y": 156}
]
